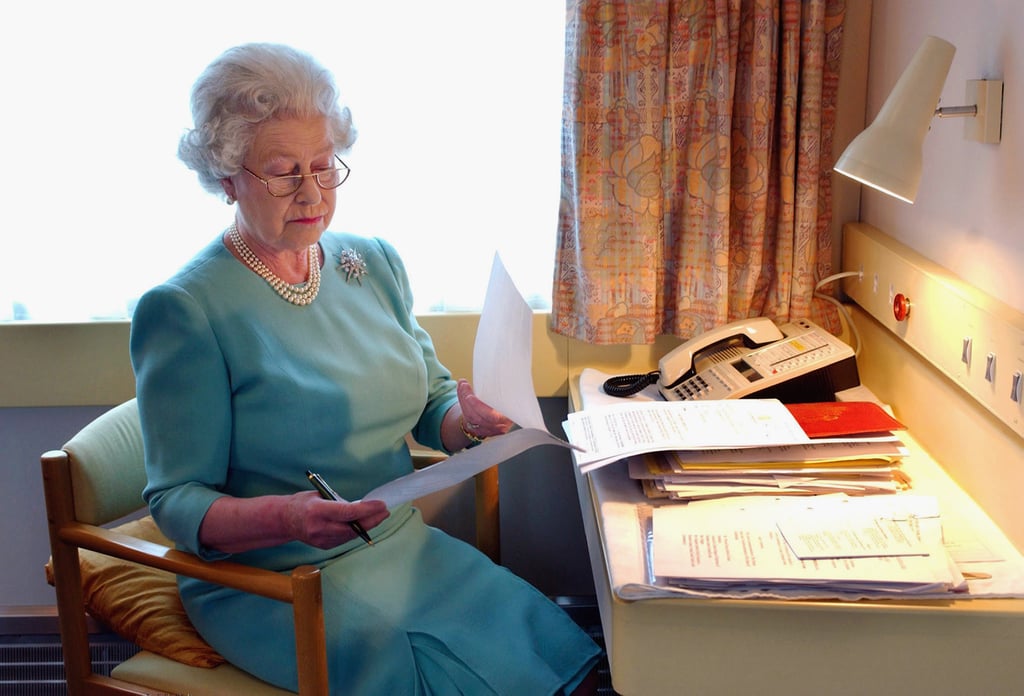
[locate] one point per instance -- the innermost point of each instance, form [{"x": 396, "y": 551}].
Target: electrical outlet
[{"x": 949, "y": 319}]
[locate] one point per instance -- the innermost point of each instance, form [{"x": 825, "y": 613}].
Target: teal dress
[{"x": 240, "y": 392}]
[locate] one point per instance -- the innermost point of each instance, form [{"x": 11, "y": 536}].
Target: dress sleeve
[
  {"x": 441, "y": 394},
  {"x": 184, "y": 404}
]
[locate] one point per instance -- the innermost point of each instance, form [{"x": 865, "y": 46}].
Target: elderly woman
[{"x": 282, "y": 348}]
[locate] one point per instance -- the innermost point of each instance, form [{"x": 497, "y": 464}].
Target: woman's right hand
[
  {"x": 234, "y": 525},
  {"x": 326, "y": 523}
]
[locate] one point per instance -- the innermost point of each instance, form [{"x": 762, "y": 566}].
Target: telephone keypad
[{"x": 697, "y": 387}]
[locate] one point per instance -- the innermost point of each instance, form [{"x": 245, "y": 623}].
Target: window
[{"x": 457, "y": 103}]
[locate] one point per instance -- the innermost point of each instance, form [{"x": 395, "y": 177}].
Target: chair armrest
[
  {"x": 259, "y": 581},
  {"x": 302, "y": 589}
]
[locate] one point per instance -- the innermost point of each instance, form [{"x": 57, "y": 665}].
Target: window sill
[{"x": 87, "y": 364}]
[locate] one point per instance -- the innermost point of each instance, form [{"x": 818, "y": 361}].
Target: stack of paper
[
  {"x": 853, "y": 450},
  {"x": 831, "y": 545},
  {"x": 700, "y": 450},
  {"x": 708, "y": 485},
  {"x": 854, "y": 468}
]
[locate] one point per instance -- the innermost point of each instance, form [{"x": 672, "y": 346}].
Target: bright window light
[{"x": 457, "y": 104}]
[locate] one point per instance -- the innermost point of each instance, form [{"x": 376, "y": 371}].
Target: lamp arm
[{"x": 957, "y": 111}]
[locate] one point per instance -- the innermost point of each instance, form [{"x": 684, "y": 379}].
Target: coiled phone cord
[{"x": 628, "y": 385}]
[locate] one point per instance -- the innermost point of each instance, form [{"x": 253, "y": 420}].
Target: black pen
[{"x": 328, "y": 493}]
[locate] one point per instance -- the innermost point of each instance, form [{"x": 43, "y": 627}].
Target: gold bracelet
[{"x": 473, "y": 439}]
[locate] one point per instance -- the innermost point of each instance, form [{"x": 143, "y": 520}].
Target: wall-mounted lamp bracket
[{"x": 985, "y": 99}]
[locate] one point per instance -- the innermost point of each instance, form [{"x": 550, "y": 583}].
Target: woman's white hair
[{"x": 246, "y": 86}]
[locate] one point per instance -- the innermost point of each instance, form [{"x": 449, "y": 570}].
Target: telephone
[{"x": 798, "y": 362}]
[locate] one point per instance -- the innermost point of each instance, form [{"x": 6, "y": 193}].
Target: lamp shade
[{"x": 888, "y": 154}]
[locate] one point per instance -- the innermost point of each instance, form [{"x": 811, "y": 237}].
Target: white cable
[
  {"x": 837, "y": 276},
  {"x": 840, "y": 305}
]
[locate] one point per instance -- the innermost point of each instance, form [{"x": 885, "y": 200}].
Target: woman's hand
[
  {"x": 233, "y": 525},
  {"x": 471, "y": 421},
  {"x": 325, "y": 523}
]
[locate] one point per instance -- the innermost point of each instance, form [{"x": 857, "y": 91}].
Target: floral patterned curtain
[{"x": 697, "y": 144}]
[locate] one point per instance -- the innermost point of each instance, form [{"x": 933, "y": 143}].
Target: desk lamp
[{"x": 888, "y": 155}]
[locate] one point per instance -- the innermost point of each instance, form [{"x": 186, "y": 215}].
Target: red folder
[{"x": 842, "y": 418}]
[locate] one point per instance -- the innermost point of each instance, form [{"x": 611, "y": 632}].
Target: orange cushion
[{"x": 141, "y": 604}]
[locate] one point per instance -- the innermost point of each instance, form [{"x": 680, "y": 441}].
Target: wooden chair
[{"x": 96, "y": 479}]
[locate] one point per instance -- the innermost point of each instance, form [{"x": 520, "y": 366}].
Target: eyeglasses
[{"x": 280, "y": 186}]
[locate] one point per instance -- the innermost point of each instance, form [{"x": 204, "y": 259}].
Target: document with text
[
  {"x": 608, "y": 433},
  {"x": 744, "y": 544}
]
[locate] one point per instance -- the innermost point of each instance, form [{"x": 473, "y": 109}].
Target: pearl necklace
[{"x": 300, "y": 294}]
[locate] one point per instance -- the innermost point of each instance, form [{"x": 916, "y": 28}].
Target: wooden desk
[{"x": 722, "y": 646}]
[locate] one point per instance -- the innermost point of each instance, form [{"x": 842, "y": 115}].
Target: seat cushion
[
  {"x": 172, "y": 677},
  {"x": 141, "y": 604}
]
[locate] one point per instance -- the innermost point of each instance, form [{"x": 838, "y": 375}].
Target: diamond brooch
[{"x": 352, "y": 264}]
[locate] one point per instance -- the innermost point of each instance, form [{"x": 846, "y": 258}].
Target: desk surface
[{"x": 723, "y": 646}]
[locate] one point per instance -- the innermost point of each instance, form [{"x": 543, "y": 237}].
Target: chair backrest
[{"x": 107, "y": 466}]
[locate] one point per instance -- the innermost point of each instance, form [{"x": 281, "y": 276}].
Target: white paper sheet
[
  {"x": 863, "y": 527},
  {"x": 503, "y": 352},
  {"x": 609, "y": 433},
  {"x": 502, "y": 377},
  {"x": 461, "y": 466}
]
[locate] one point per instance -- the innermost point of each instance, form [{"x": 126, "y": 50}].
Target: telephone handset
[
  {"x": 796, "y": 362},
  {"x": 714, "y": 346}
]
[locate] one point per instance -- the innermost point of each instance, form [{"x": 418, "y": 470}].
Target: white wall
[{"x": 969, "y": 213}]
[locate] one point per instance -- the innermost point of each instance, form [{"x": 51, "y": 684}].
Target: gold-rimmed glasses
[{"x": 280, "y": 186}]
